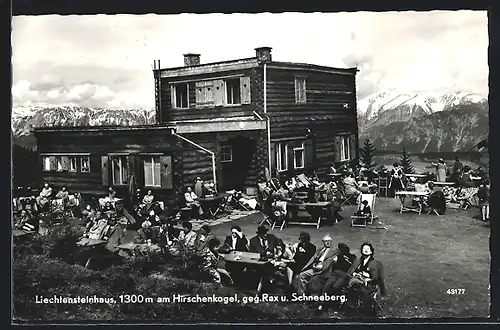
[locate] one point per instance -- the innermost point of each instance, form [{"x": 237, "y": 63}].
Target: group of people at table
[
  {"x": 460, "y": 183},
  {"x": 29, "y": 208}
]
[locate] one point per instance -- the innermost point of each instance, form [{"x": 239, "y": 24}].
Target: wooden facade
[{"x": 247, "y": 113}]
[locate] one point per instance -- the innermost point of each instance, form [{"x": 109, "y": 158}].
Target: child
[{"x": 364, "y": 210}]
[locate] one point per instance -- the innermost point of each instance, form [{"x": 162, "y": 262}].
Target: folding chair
[
  {"x": 362, "y": 221},
  {"x": 347, "y": 199},
  {"x": 267, "y": 210}
]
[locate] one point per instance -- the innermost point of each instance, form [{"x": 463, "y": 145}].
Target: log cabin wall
[
  {"x": 207, "y": 96},
  {"x": 197, "y": 163},
  {"x": 135, "y": 146},
  {"x": 327, "y": 109}
]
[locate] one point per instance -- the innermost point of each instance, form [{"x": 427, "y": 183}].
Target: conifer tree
[
  {"x": 406, "y": 163},
  {"x": 368, "y": 155}
]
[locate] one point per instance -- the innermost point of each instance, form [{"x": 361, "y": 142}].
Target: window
[
  {"x": 59, "y": 165},
  {"x": 298, "y": 156},
  {"x": 85, "y": 164},
  {"x": 180, "y": 96},
  {"x": 282, "y": 156},
  {"x": 233, "y": 95},
  {"x": 119, "y": 170},
  {"x": 152, "y": 172},
  {"x": 72, "y": 164},
  {"x": 300, "y": 90},
  {"x": 46, "y": 164},
  {"x": 226, "y": 154},
  {"x": 344, "y": 148}
]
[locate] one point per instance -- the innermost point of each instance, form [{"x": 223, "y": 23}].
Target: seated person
[
  {"x": 364, "y": 210},
  {"x": 146, "y": 233},
  {"x": 111, "y": 194},
  {"x": 26, "y": 221},
  {"x": 192, "y": 201},
  {"x": 210, "y": 256},
  {"x": 302, "y": 252},
  {"x": 351, "y": 186},
  {"x": 148, "y": 200},
  {"x": 209, "y": 189},
  {"x": 338, "y": 275},
  {"x": 465, "y": 179},
  {"x": 318, "y": 264},
  {"x": 63, "y": 194},
  {"x": 281, "y": 198},
  {"x": 108, "y": 207},
  {"x": 367, "y": 271},
  {"x": 235, "y": 242},
  {"x": 263, "y": 243},
  {"x": 202, "y": 238},
  {"x": 98, "y": 229},
  {"x": 88, "y": 214},
  {"x": 436, "y": 199},
  {"x": 187, "y": 236},
  {"x": 43, "y": 199},
  {"x": 153, "y": 218}
]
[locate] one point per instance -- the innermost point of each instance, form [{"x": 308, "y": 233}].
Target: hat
[
  {"x": 441, "y": 160},
  {"x": 262, "y": 230},
  {"x": 343, "y": 248},
  {"x": 198, "y": 178}
]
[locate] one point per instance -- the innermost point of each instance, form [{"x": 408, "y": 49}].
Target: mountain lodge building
[{"x": 229, "y": 122}]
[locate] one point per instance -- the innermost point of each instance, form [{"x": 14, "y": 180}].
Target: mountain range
[{"x": 425, "y": 122}]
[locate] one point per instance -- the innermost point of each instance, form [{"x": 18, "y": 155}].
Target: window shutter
[
  {"x": 166, "y": 171},
  {"x": 352, "y": 146},
  {"x": 297, "y": 90},
  {"x": 309, "y": 151},
  {"x": 336, "y": 151},
  {"x": 246, "y": 97},
  {"x": 65, "y": 163},
  {"x": 53, "y": 163},
  {"x": 209, "y": 92},
  {"x": 200, "y": 93},
  {"x": 273, "y": 157},
  {"x": 218, "y": 92},
  {"x": 172, "y": 96},
  {"x": 105, "y": 170}
]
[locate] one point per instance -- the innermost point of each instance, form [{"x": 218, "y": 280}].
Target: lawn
[{"x": 423, "y": 256}]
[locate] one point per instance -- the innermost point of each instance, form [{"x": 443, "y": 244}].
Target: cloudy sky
[{"x": 106, "y": 61}]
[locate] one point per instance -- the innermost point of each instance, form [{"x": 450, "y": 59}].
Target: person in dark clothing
[
  {"x": 364, "y": 210},
  {"x": 338, "y": 273},
  {"x": 303, "y": 252},
  {"x": 235, "y": 242},
  {"x": 436, "y": 200}
]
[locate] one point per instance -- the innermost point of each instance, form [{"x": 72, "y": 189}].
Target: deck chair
[
  {"x": 362, "y": 221},
  {"x": 347, "y": 199}
]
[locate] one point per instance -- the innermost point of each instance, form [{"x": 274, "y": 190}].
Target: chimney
[
  {"x": 263, "y": 54},
  {"x": 191, "y": 59}
]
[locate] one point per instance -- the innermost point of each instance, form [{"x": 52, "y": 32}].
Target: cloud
[{"x": 106, "y": 60}]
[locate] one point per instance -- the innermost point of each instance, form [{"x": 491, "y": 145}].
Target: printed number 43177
[{"x": 455, "y": 291}]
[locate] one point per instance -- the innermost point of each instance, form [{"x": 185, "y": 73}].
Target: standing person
[
  {"x": 484, "y": 200},
  {"x": 458, "y": 169},
  {"x": 440, "y": 170},
  {"x": 198, "y": 187},
  {"x": 396, "y": 179}
]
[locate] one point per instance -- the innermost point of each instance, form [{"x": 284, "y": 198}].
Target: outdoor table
[
  {"x": 248, "y": 259},
  {"x": 402, "y": 196},
  {"x": 314, "y": 209},
  {"x": 93, "y": 244},
  {"x": 131, "y": 247},
  {"x": 215, "y": 204},
  {"x": 19, "y": 232},
  {"x": 443, "y": 184}
]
